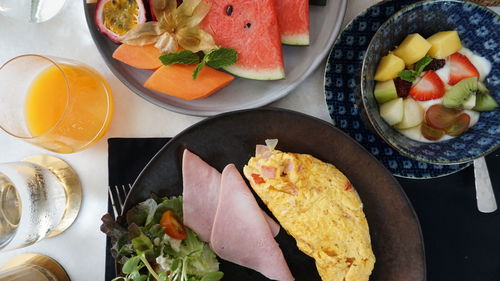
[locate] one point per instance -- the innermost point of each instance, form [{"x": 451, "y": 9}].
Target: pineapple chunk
[
  {"x": 444, "y": 43},
  {"x": 413, "y": 48},
  {"x": 389, "y": 67}
]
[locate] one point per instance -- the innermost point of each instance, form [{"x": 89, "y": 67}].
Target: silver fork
[{"x": 117, "y": 195}]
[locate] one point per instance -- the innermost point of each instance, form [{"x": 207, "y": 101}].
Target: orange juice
[{"x": 68, "y": 108}]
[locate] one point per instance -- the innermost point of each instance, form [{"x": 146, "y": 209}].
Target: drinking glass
[
  {"x": 31, "y": 10},
  {"x": 32, "y": 267},
  {"x": 58, "y": 104},
  {"x": 39, "y": 197}
]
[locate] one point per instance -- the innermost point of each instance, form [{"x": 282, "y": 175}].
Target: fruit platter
[{"x": 206, "y": 57}]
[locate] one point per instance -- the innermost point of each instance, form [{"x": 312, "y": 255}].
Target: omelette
[{"x": 317, "y": 205}]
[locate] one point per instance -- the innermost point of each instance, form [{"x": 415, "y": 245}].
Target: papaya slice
[
  {"x": 143, "y": 57},
  {"x": 176, "y": 80}
]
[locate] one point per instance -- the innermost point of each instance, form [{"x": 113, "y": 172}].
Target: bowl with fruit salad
[{"x": 430, "y": 82}]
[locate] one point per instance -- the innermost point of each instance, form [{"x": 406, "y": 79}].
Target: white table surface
[{"x": 81, "y": 249}]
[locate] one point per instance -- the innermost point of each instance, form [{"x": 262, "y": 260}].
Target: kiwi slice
[
  {"x": 485, "y": 102},
  {"x": 460, "y": 92},
  {"x": 481, "y": 88}
]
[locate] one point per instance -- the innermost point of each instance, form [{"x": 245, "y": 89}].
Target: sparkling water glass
[{"x": 39, "y": 197}]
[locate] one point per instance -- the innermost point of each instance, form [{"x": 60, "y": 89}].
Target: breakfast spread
[
  {"x": 432, "y": 89},
  {"x": 317, "y": 205}
]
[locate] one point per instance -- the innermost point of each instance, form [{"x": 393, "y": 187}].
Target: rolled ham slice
[
  {"x": 241, "y": 233},
  {"x": 201, "y": 185}
]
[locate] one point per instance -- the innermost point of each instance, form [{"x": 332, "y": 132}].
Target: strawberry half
[
  {"x": 461, "y": 68},
  {"x": 429, "y": 87}
]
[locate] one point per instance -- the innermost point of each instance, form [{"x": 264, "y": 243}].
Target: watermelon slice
[
  {"x": 293, "y": 20},
  {"x": 251, "y": 28}
]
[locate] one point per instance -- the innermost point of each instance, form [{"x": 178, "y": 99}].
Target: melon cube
[
  {"x": 413, "y": 48},
  {"x": 392, "y": 111},
  {"x": 389, "y": 67},
  {"x": 444, "y": 43},
  {"x": 413, "y": 114},
  {"x": 385, "y": 91}
]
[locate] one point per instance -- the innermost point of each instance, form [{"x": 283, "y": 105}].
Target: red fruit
[
  {"x": 460, "y": 125},
  {"x": 429, "y": 87},
  {"x": 441, "y": 117},
  {"x": 172, "y": 225},
  {"x": 461, "y": 68}
]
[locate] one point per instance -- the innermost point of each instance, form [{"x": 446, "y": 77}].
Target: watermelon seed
[
  {"x": 247, "y": 25},
  {"x": 229, "y": 10}
]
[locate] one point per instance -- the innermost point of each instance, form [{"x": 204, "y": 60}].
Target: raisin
[
  {"x": 402, "y": 87},
  {"x": 435, "y": 64}
]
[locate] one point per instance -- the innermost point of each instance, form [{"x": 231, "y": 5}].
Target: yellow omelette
[{"x": 317, "y": 205}]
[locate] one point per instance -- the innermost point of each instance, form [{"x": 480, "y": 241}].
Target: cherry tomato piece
[
  {"x": 173, "y": 227},
  {"x": 257, "y": 179}
]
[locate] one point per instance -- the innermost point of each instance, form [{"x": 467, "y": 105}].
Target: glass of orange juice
[{"x": 58, "y": 104}]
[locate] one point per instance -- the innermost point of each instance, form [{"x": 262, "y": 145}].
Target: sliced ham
[
  {"x": 201, "y": 185},
  {"x": 241, "y": 233},
  {"x": 268, "y": 172}
]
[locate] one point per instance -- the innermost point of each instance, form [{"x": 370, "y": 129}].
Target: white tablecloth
[{"x": 81, "y": 249}]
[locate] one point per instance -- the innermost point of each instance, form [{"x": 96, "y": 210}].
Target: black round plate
[{"x": 231, "y": 138}]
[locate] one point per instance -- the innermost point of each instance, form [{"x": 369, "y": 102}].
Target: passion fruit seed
[
  {"x": 229, "y": 10},
  {"x": 120, "y": 16}
]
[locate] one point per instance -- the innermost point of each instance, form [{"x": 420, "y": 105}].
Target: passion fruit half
[{"x": 115, "y": 17}]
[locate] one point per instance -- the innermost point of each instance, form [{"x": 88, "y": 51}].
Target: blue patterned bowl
[{"x": 479, "y": 29}]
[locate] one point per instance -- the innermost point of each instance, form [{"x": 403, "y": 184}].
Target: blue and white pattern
[{"x": 342, "y": 87}]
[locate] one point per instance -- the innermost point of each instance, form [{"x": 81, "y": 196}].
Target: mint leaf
[
  {"x": 198, "y": 68},
  {"x": 217, "y": 58},
  {"x": 182, "y": 57},
  {"x": 221, "y": 57},
  {"x": 408, "y": 75},
  {"x": 421, "y": 64},
  {"x": 411, "y": 75}
]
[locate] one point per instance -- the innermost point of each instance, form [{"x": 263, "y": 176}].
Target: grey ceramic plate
[
  {"x": 242, "y": 93},
  {"x": 231, "y": 138}
]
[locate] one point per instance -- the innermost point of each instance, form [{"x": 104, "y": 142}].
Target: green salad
[{"x": 157, "y": 246}]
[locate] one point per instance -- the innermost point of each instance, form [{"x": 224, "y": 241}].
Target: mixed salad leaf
[{"x": 156, "y": 246}]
